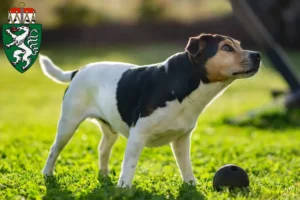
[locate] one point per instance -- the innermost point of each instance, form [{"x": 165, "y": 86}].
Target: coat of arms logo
[{"x": 22, "y": 37}]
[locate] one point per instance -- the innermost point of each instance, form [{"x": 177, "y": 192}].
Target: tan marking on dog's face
[{"x": 225, "y": 64}]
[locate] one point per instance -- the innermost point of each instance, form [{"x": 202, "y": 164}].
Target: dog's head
[{"x": 221, "y": 58}]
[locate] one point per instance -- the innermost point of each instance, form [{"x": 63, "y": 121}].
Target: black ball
[{"x": 231, "y": 176}]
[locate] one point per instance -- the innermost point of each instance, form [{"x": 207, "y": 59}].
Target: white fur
[
  {"x": 92, "y": 94},
  {"x": 53, "y": 72}
]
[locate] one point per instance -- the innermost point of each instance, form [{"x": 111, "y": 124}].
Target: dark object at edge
[
  {"x": 231, "y": 176},
  {"x": 275, "y": 53}
]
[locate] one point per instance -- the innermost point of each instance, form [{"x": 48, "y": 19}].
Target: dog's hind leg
[
  {"x": 108, "y": 139},
  {"x": 66, "y": 129},
  {"x": 71, "y": 117}
]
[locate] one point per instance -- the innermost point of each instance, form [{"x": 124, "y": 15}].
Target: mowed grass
[{"x": 30, "y": 107}]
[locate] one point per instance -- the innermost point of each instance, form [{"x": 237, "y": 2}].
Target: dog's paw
[
  {"x": 122, "y": 184},
  {"x": 47, "y": 173},
  {"x": 103, "y": 172},
  {"x": 192, "y": 182}
]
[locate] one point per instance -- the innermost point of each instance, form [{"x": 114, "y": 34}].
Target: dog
[{"x": 151, "y": 105}]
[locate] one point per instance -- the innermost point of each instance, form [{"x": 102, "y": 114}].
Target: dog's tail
[{"x": 54, "y": 72}]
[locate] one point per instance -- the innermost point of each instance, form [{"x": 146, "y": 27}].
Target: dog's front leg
[
  {"x": 181, "y": 151},
  {"x": 135, "y": 145}
]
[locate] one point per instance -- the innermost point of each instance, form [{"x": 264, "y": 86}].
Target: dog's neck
[
  {"x": 196, "y": 68},
  {"x": 194, "y": 76}
]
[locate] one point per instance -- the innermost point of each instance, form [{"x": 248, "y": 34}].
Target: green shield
[{"x": 22, "y": 44}]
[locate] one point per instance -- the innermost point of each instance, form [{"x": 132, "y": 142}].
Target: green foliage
[
  {"x": 150, "y": 11},
  {"x": 5, "y": 6},
  {"x": 30, "y": 107},
  {"x": 72, "y": 13},
  {"x": 276, "y": 117}
]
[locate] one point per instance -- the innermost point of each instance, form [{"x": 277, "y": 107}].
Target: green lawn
[{"x": 268, "y": 149}]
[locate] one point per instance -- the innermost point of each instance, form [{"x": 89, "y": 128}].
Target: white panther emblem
[{"x": 19, "y": 40}]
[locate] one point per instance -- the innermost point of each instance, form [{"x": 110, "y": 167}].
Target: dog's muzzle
[
  {"x": 255, "y": 58},
  {"x": 250, "y": 64}
]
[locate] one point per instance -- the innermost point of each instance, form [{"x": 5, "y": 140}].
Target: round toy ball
[{"x": 231, "y": 176}]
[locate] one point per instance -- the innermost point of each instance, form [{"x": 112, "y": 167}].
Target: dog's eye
[{"x": 226, "y": 47}]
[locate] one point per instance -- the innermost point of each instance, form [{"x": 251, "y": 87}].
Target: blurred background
[
  {"x": 91, "y": 22},
  {"x": 77, "y": 32}
]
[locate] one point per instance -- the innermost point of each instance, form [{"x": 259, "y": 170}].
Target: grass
[{"x": 30, "y": 107}]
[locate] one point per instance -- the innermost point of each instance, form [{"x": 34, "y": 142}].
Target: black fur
[
  {"x": 72, "y": 76},
  {"x": 143, "y": 89},
  {"x": 211, "y": 48}
]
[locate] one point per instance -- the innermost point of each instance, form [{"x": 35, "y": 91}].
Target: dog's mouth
[{"x": 247, "y": 72}]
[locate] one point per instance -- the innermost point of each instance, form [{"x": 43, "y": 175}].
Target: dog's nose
[{"x": 256, "y": 57}]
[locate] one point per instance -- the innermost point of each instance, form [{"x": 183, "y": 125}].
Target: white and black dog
[{"x": 151, "y": 105}]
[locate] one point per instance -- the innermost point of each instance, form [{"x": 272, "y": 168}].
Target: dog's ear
[{"x": 196, "y": 45}]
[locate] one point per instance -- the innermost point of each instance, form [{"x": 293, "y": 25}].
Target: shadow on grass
[
  {"x": 243, "y": 192},
  {"x": 188, "y": 192},
  {"x": 108, "y": 190},
  {"x": 234, "y": 192},
  {"x": 55, "y": 190},
  {"x": 276, "y": 119}
]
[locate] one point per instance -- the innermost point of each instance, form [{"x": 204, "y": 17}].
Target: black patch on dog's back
[{"x": 142, "y": 90}]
